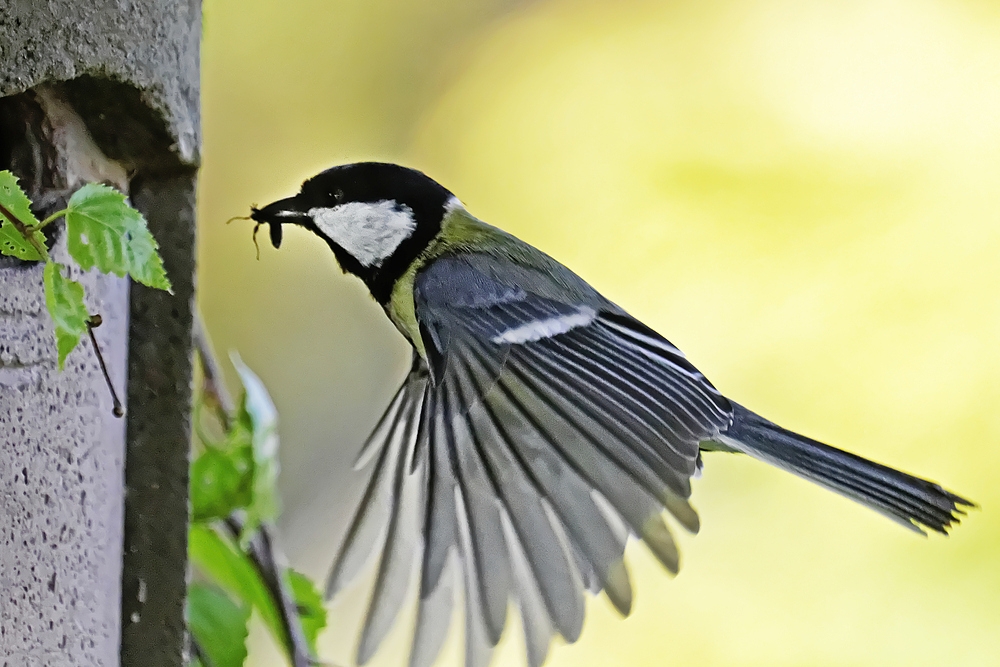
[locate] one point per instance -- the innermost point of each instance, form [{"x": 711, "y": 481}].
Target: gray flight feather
[
  {"x": 545, "y": 426},
  {"x": 534, "y": 620},
  {"x": 380, "y": 497},
  {"x": 434, "y": 612}
]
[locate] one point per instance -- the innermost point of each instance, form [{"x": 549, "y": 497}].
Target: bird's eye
[{"x": 338, "y": 195}]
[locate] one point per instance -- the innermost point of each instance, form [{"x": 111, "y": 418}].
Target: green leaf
[
  {"x": 240, "y": 431},
  {"x": 258, "y": 410},
  {"x": 103, "y": 231},
  {"x": 221, "y": 482},
  {"x": 231, "y": 569},
  {"x": 64, "y": 299},
  {"x": 218, "y": 624},
  {"x": 13, "y": 199},
  {"x": 312, "y": 613}
]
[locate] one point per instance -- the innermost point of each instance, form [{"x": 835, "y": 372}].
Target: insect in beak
[
  {"x": 276, "y": 214},
  {"x": 274, "y": 232}
]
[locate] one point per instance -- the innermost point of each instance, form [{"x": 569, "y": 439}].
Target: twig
[
  {"x": 23, "y": 230},
  {"x": 197, "y": 652},
  {"x": 263, "y": 550},
  {"x": 117, "y": 410},
  {"x": 214, "y": 381},
  {"x": 269, "y": 561}
]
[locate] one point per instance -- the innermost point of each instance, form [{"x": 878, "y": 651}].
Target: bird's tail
[{"x": 916, "y": 503}]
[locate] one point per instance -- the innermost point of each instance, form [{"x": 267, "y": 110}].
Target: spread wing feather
[
  {"x": 514, "y": 467},
  {"x": 380, "y": 496},
  {"x": 519, "y": 496}
]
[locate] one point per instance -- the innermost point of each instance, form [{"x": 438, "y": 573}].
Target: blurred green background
[{"x": 803, "y": 196}]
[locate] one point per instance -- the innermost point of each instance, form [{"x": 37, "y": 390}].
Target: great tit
[{"x": 540, "y": 425}]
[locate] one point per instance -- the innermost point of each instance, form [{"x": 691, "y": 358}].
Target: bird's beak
[{"x": 283, "y": 211}]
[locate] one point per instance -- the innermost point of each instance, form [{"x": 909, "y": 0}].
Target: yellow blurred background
[{"x": 804, "y": 196}]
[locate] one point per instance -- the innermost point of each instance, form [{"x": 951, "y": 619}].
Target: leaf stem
[
  {"x": 27, "y": 233},
  {"x": 52, "y": 218}
]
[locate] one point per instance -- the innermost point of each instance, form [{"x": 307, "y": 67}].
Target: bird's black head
[{"x": 376, "y": 217}]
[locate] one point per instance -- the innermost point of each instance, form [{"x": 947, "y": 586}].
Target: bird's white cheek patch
[
  {"x": 552, "y": 326},
  {"x": 369, "y": 231}
]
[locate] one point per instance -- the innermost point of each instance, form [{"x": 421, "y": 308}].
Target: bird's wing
[{"x": 544, "y": 432}]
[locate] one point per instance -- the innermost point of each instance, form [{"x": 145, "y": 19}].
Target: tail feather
[{"x": 915, "y": 503}]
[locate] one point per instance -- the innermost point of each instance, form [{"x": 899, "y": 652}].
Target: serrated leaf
[
  {"x": 64, "y": 300},
  {"x": 15, "y": 200},
  {"x": 103, "y": 231},
  {"x": 145, "y": 263},
  {"x": 218, "y": 624},
  {"x": 231, "y": 569},
  {"x": 258, "y": 409},
  {"x": 12, "y": 198},
  {"x": 221, "y": 482},
  {"x": 312, "y": 613}
]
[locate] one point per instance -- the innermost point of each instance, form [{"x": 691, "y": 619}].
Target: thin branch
[
  {"x": 270, "y": 564},
  {"x": 197, "y": 652},
  {"x": 214, "y": 382},
  {"x": 117, "y": 410},
  {"x": 263, "y": 550},
  {"x": 25, "y": 232}
]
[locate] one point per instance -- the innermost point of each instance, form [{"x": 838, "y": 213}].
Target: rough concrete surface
[
  {"x": 60, "y": 488},
  {"x": 152, "y": 45}
]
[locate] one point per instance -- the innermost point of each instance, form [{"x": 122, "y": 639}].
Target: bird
[{"x": 539, "y": 428}]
